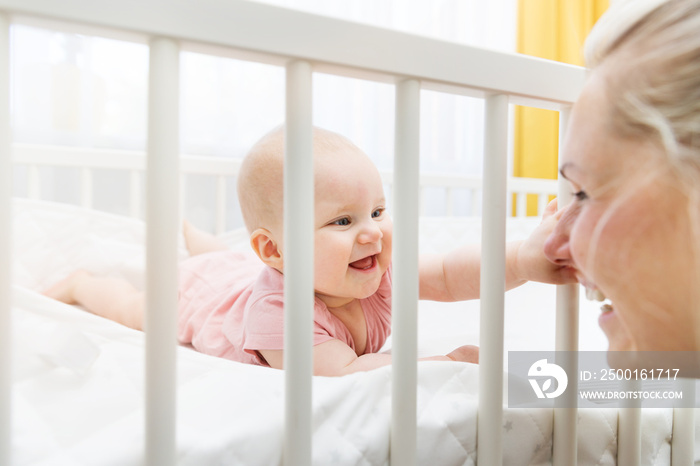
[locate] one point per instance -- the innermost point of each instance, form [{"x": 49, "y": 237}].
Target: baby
[{"x": 231, "y": 303}]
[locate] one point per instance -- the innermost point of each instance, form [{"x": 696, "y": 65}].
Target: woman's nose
[{"x": 557, "y": 248}]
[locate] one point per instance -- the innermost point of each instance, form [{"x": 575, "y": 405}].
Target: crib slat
[
  {"x": 162, "y": 178},
  {"x": 683, "y": 440},
  {"x": 629, "y": 428},
  {"x": 564, "y": 450},
  {"x": 5, "y": 248},
  {"x": 298, "y": 265},
  {"x": 629, "y": 433},
  {"x": 493, "y": 256},
  {"x": 405, "y": 278}
]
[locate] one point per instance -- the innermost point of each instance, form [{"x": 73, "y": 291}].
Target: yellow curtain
[{"x": 556, "y": 30}]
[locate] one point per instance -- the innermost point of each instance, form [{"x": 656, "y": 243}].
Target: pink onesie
[{"x": 231, "y": 305}]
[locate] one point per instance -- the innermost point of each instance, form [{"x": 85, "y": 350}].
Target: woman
[{"x": 632, "y": 156}]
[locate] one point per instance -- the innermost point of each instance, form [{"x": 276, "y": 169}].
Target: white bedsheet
[{"x": 78, "y": 379}]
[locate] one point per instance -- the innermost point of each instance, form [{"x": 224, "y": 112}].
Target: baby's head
[
  {"x": 352, "y": 233},
  {"x": 260, "y": 183},
  {"x": 260, "y": 180}
]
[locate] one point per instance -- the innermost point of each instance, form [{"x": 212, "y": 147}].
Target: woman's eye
[
  {"x": 580, "y": 195},
  {"x": 343, "y": 222}
]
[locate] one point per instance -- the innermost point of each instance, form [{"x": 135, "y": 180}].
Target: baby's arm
[
  {"x": 335, "y": 358},
  {"x": 456, "y": 276}
]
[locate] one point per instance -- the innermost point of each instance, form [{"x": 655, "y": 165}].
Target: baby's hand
[
  {"x": 466, "y": 353},
  {"x": 531, "y": 263}
]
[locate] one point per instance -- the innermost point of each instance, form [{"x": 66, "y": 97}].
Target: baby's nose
[{"x": 371, "y": 233}]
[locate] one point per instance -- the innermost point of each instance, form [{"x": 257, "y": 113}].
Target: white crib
[{"x": 287, "y": 38}]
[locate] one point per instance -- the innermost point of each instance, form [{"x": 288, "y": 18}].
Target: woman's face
[{"x": 626, "y": 232}]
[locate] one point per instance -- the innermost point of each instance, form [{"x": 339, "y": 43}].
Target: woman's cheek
[
  {"x": 588, "y": 241},
  {"x": 579, "y": 237}
]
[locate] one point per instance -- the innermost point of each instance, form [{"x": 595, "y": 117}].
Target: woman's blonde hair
[{"x": 653, "y": 50}]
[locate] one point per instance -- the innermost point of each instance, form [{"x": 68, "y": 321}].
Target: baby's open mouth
[{"x": 364, "y": 264}]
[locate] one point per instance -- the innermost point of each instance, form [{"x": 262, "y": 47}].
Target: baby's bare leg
[
  {"x": 200, "y": 242},
  {"x": 113, "y": 298}
]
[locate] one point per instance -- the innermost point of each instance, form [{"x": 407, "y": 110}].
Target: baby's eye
[
  {"x": 377, "y": 213},
  {"x": 343, "y": 222},
  {"x": 580, "y": 195}
]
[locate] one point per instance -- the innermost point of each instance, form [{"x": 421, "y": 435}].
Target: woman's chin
[
  {"x": 614, "y": 329},
  {"x": 619, "y": 341},
  {"x": 614, "y": 345}
]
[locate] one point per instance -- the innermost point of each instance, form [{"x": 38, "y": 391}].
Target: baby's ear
[{"x": 266, "y": 248}]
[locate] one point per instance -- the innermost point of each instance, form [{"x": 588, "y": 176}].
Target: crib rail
[
  {"x": 303, "y": 43},
  {"x": 273, "y": 35},
  {"x": 224, "y": 171}
]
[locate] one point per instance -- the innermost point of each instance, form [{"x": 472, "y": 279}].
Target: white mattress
[{"x": 78, "y": 379}]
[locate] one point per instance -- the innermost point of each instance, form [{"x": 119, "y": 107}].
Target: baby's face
[{"x": 352, "y": 228}]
